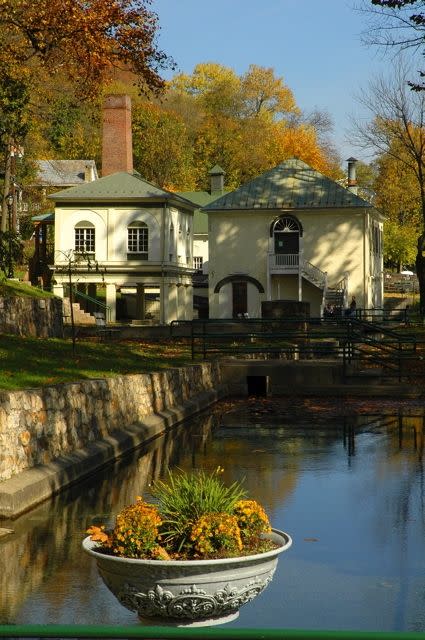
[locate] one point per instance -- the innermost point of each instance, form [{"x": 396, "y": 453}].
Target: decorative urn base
[{"x": 188, "y": 592}]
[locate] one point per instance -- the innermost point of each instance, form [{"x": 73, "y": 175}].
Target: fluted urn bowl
[{"x": 188, "y": 592}]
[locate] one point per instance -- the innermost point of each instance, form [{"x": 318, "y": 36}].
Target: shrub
[
  {"x": 196, "y": 517},
  {"x": 187, "y": 497}
]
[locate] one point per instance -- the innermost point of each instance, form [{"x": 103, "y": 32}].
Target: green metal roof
[
  {"x": 200, "y": 198},
  {"x": 122, "y": 186},
  {"x": 290, "y": 185},
  {"x": 44, "y": 217}
]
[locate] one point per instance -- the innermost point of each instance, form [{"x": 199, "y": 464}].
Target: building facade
[
  {"x": 293, "y": 234},
  {"x": 122, "y": 233}
]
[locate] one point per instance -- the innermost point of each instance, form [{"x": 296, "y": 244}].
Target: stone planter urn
[{"x": 188, "y": 592}]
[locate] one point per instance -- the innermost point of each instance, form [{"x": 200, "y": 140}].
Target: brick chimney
[
  {"x": 216, "y": 180},
  {"x": 117, "y": 148}
]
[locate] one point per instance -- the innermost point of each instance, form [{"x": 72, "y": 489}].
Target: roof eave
[{"x": 288, "y": 208}]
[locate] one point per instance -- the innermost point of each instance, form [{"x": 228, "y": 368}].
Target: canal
[{"x": 345, "y": 480}]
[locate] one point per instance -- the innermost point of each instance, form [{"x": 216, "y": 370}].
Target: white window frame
[
  {"x": 138, "y": 240},
  {"x": 85, "y": 238}
]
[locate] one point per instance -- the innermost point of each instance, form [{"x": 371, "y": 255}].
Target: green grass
[
  {"x": 37, "y": 362},
  {"x": 14, "y": 288}
]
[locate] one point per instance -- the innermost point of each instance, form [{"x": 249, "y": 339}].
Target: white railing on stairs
[{"x": 314, "y": 274}]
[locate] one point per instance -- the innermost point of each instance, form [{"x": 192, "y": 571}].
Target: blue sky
[{"x": 315, "y": 45}]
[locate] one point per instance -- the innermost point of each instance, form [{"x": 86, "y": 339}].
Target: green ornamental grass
[{"x": 185, "y": 498}]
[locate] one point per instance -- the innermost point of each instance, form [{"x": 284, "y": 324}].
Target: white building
[
  {"x": 137, "y": 237},
  {"x": 293, "y": 234}
]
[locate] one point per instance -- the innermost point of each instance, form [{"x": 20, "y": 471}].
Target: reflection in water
[{"x": 348, "y": 488}]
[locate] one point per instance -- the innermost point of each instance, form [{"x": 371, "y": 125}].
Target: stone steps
[{"x": 80, "y": 316}]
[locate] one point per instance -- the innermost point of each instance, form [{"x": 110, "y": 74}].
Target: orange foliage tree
[
  {"x": 247, "y": 124},
  {"x": 78, "y": 43}
]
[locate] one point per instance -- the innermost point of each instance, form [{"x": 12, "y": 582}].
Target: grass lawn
[
  {"x": 35, "y": 362},
  {"x": 14, "y": 288}
]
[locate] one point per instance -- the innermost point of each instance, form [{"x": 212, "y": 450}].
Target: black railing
[{"x": 359, "y": 344}]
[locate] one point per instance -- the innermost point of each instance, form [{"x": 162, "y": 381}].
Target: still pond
[{"x": 345, "y": 480}]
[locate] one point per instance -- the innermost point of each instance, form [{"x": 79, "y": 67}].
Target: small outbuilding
[{"x": 293, "y": 234}]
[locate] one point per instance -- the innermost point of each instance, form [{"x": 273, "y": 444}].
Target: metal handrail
[
  {"x": 200, "y": 633},
  {"x": 314, "y": 273},
  {"x": 96, "y": 302}
]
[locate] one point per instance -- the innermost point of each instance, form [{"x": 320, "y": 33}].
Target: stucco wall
[
  {"x": 111, "y": 222},
  {"x": 335, "y": 241},
  {"x": 38, "y": 425}
]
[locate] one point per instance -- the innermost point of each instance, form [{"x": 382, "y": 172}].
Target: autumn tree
[
  {"x": 246, "y": 123},
  {"x": 162, "y": 151},
  {"x": 397, "y": 129},
  {"x": 396, "y": 195},
  {"x": 83, "y": 42}
]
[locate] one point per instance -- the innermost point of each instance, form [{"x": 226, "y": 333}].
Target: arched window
[
  {"x": 286, "y": 233},
  {"x": 137, "y": 241},
  {"x": 84, "y": 237}
]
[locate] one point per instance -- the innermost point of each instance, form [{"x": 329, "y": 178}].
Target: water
[{"x": 346, "y": 481}]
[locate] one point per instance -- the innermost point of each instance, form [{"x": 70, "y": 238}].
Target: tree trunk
[
  {"x": 6, "y": 188},
  {"x": 420, "y": 271}
]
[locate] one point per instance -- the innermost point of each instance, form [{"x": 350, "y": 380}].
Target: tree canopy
[
  {"x": 57, "y": 53},
  {"x": 246, "y": 124},
  {"x": 396, "y": 131},
  {"x": 83, "y": 40}
]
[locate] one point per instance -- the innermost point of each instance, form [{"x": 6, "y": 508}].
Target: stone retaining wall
[
  {"x": 39, "y": 425},
  {"x": 39, "y": 317}
]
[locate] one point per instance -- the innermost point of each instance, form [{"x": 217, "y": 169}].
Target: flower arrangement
[{"x": 194, "y": 516}]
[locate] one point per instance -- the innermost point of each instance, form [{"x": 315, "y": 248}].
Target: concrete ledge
[
  {"x": 29, "y": 488},
  {"x": 311, "y": 378}
]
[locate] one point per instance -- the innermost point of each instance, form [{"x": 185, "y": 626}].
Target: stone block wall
[
  {"x": 38, "y": 425},
  {"x": 38, "y": 317}
]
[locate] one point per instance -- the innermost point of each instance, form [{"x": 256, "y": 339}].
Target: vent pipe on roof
[
  {"x": 89, "y": 172},
  {"x": 352, "y": 180}
]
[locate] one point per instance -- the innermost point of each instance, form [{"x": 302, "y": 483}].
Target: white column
[
  {"x": 173, "y": 303},
  {"x": 268, "y": 283},
  {"x": 111, "y": 301},
  {"x": 58, "y": 290},
  {"x": 163, "y": 291},
  {"x": 300, "y": 277}
]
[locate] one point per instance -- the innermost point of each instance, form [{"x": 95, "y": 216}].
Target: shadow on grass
[{"x": 35, "y": 362}]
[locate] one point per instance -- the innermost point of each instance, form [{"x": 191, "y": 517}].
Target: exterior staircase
[
  {"x": 80, "y": 316},
  {"x": 334, "y": 296}
]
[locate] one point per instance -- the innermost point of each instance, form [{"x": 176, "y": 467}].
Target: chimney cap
[
  {"x": 216, "y": 171},
  {"x": 351, "y": 159}
]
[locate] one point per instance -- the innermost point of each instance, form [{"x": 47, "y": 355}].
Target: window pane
[
  {"x": 138, "y": 240},
  {"x": 84, "y": 240}
]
